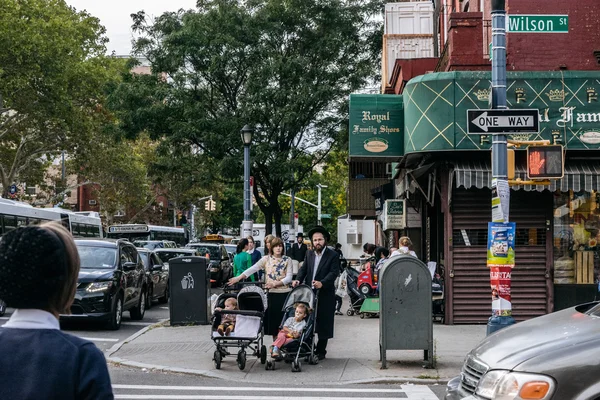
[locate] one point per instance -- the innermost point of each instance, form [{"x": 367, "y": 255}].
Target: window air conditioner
[
  {"x": 92, "y": 202},
  {"x": 354, "y": 238}
]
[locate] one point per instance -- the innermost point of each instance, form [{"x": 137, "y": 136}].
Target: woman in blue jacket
[{"x": 39, "y": 266}]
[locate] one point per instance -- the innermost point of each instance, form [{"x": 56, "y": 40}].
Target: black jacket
[
  {"x": 327, "y": 271},
  {"x": 298, "y": 253}
]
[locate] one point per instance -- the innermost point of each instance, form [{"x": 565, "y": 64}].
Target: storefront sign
[
  {"x": 501, "y": 260},
  {"x": 394, "y": 215},
  {"x": 436, "y": 109},
  {"x": 376, "y": 125}
]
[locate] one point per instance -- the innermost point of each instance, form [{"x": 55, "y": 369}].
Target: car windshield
[
  {"x": 213, "y": 251},
  {"x": 144, "y": 257},
  {"x": 165, "y": 256},
  {"x": 93, "y": 257},
  {"x": 148, "y": 244}
]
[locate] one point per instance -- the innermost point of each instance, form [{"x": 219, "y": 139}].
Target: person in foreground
[
  {"x": 321, "y": 267},
  {"x": 39, "y": 266}
]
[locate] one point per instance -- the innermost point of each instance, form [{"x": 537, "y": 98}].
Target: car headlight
[
  {"x": 504, "y": 385},
  {"x": 99, "y": 286}
]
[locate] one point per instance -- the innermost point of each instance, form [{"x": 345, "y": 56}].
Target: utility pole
[
  {"x": 292, "y": 219},
  {"x": 319, "y": 186},
  {"x": 502, "y": 312}
]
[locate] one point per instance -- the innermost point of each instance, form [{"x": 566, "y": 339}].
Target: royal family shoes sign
[
  {"x": 567, "y": 104},
  {"x": 376, "y": 125}
]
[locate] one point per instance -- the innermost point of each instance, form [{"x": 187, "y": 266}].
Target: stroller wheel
[
  {"x": 217, "y": 359},
  {"x": 263, "y": 354},
  {"x": 296, "y": 366},
  {"x": 350, "y": 313},
  {"x": 313, "y": 359},
  {"x": 362, "y": 315},
  {"x": 241, "y": 360},
  {"x": 269, "y": 366}
]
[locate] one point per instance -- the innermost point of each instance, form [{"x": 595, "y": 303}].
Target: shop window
[{"x": 576, "y": 237}]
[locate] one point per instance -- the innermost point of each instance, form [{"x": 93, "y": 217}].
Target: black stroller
[
  {"x": 248, "y": 332},
  {"x": 356, "y": 297},
  {"x": 304, "y": 346}
]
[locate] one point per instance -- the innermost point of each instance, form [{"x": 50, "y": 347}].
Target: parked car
[
  {"x": 221, "y": 267},
  {"x": 155, "y": 244},
  {"x": 111, "y": 280},
  {"x": 167, "y": 254},
  {"x": 157, "y": 277},
  {"x": 552, "y": 357},
  {"x": 231, "y": 248}
]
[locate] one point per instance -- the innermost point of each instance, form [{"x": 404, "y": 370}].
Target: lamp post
[
  {"x": 246, "y": 133},
  {"x": 319, "y": 186}
]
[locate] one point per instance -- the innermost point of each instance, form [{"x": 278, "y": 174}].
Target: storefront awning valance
[{"x": 579, "y": 176}]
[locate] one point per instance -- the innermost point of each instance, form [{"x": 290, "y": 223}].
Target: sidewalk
[{"x": 353, "y": 355}]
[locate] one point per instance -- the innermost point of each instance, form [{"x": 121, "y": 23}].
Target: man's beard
[{"x": 319, "y": 248}]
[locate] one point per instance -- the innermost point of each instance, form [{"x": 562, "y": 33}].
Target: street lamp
[
  {"x": 246, "y": 133},
  {"x": 319, "y": 186}
]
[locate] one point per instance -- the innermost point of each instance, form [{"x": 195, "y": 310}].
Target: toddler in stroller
[
  {"x": 292, "y": 328},
  {"x": 227, "y": 324},
  {"x": 248, "y": 332},
  {"x": 303, "y": 345}
]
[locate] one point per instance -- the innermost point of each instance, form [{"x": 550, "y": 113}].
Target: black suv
[
  {"x": 111, "y": 280},
  {"x": 220, "y": 266}
]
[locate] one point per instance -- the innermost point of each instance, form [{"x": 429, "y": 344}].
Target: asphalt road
[
  {"x": 131, "y": 383},
  {"x": 104, "y": 338}
]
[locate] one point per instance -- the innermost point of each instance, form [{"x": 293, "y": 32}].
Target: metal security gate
[{"x": 531, "y": 284}]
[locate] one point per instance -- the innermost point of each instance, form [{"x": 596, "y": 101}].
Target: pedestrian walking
[
  {"x": 278, "y": 275},
  {"x": 254, "y": 254},
  {"x": 297, "y": 253},
  {"x": 320, "y": 269},
  {"x": 39, "y": 267},
  {"x": 405, "y": 247},
  {"x": 242, "y": 260}
]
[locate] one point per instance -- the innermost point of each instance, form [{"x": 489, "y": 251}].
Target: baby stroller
[
  {"x": 355, "y": 296},
  {"x": 303, "y": 346},
  {"x": 248, "y": 332}
]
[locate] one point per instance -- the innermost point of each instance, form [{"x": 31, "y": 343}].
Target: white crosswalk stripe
[{"x": 409, "y": 392}]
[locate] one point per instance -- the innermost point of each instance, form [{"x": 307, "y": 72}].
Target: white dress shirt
[
  {"x": 32, "y": 319},
  {"x": 317, "y": 261}
]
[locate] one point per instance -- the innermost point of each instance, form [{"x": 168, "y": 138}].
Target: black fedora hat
[
  {"x": 300, "y": 234},
  {"x": 319, "y": 229}
]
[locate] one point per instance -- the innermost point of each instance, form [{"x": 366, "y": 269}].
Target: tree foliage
[
  {"x": 52, "y": 74},
  {"x": 283, "y": 66}
]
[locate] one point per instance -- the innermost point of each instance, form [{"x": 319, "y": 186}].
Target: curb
[{"x": 139, "y": 333}]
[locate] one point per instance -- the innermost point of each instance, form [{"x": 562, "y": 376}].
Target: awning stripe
[{"x": 579, "y": 176}]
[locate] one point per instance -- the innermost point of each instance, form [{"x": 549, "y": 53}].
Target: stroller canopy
[
  {"x": 252, "y": 298},
  {"x": 300, "y": 294}
]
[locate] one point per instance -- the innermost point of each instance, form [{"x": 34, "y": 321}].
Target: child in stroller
[
  {"x": 227, "y": 324},
  {"x": 248, "y": 333},
  {"x": 292, "y": 328},
  {"x": 302, "y": 346}
]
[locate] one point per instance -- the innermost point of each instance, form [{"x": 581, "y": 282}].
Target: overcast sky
[{"x": 114, "y": 15}]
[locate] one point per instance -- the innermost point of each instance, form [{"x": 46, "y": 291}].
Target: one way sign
[{"x": 503, "y": 121}]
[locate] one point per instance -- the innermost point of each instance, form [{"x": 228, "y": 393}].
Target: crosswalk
[{"x": 154, "y": 392}]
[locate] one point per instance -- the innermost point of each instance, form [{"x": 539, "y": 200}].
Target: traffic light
[
  {"x": 213, "y": 205},
  {"x": 207, "y": 204},
  {"x": 545, "y": 162}
]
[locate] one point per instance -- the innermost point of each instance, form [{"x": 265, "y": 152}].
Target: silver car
[{"x": 555, "y": 356}]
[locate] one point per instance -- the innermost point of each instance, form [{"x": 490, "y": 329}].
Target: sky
[{"x": 114, "y": 15}]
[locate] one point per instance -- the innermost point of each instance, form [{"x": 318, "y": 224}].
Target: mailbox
[
  {"x": 405, "y": 321},
  {"x": 189, "y": 286}
]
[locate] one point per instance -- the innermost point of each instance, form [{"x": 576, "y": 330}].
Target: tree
[
  {"x": 52, "y": 73},
  {"x": 286, "y": 67}
]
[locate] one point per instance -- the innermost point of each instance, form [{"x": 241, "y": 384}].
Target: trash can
[
  {"x": 189, "y": 286},
  {"x": 405, "y": 320}
]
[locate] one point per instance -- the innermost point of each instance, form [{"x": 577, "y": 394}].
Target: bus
[
  {"x": 134, "y": 232},
  {"x": 15, "y": 214}
]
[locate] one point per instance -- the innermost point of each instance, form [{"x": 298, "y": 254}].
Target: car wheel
[
  {"x": 165, "y": 296},
  {"x": 138, "y": 312},
  {"x": 149, "y": 297},
  {"x": 116, "y": 314}
]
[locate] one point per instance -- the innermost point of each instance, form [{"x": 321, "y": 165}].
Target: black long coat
[{"x": 327, "y": 271}]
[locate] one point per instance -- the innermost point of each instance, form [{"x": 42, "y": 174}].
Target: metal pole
[
  {"x": 247, "y": 223},
  {"x": 292, "y": 219},
  {"x": 63, "y": 167},
  {"x": 319, "y": 206},
  {"x": 175, "y": 214},
  {"x": 500, "y": 186}
]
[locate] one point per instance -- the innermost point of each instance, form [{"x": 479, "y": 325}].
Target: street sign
[
  {"x": 536, "y": 23},
  {"x": 502, "y": 121},
  {"x": 323, "y": 216}
]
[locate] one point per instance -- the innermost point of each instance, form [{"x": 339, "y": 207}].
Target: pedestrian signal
[{"x": 545, "y": 162}]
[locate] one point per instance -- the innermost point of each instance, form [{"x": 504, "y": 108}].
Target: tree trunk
[
  {"x": 277, "y": 213},
  {"x": 268, "y": 211}
]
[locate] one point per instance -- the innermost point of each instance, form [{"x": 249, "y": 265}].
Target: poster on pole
[
  {"x": 500, "y": 200},
  {"x": 501, "y": 261}
]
